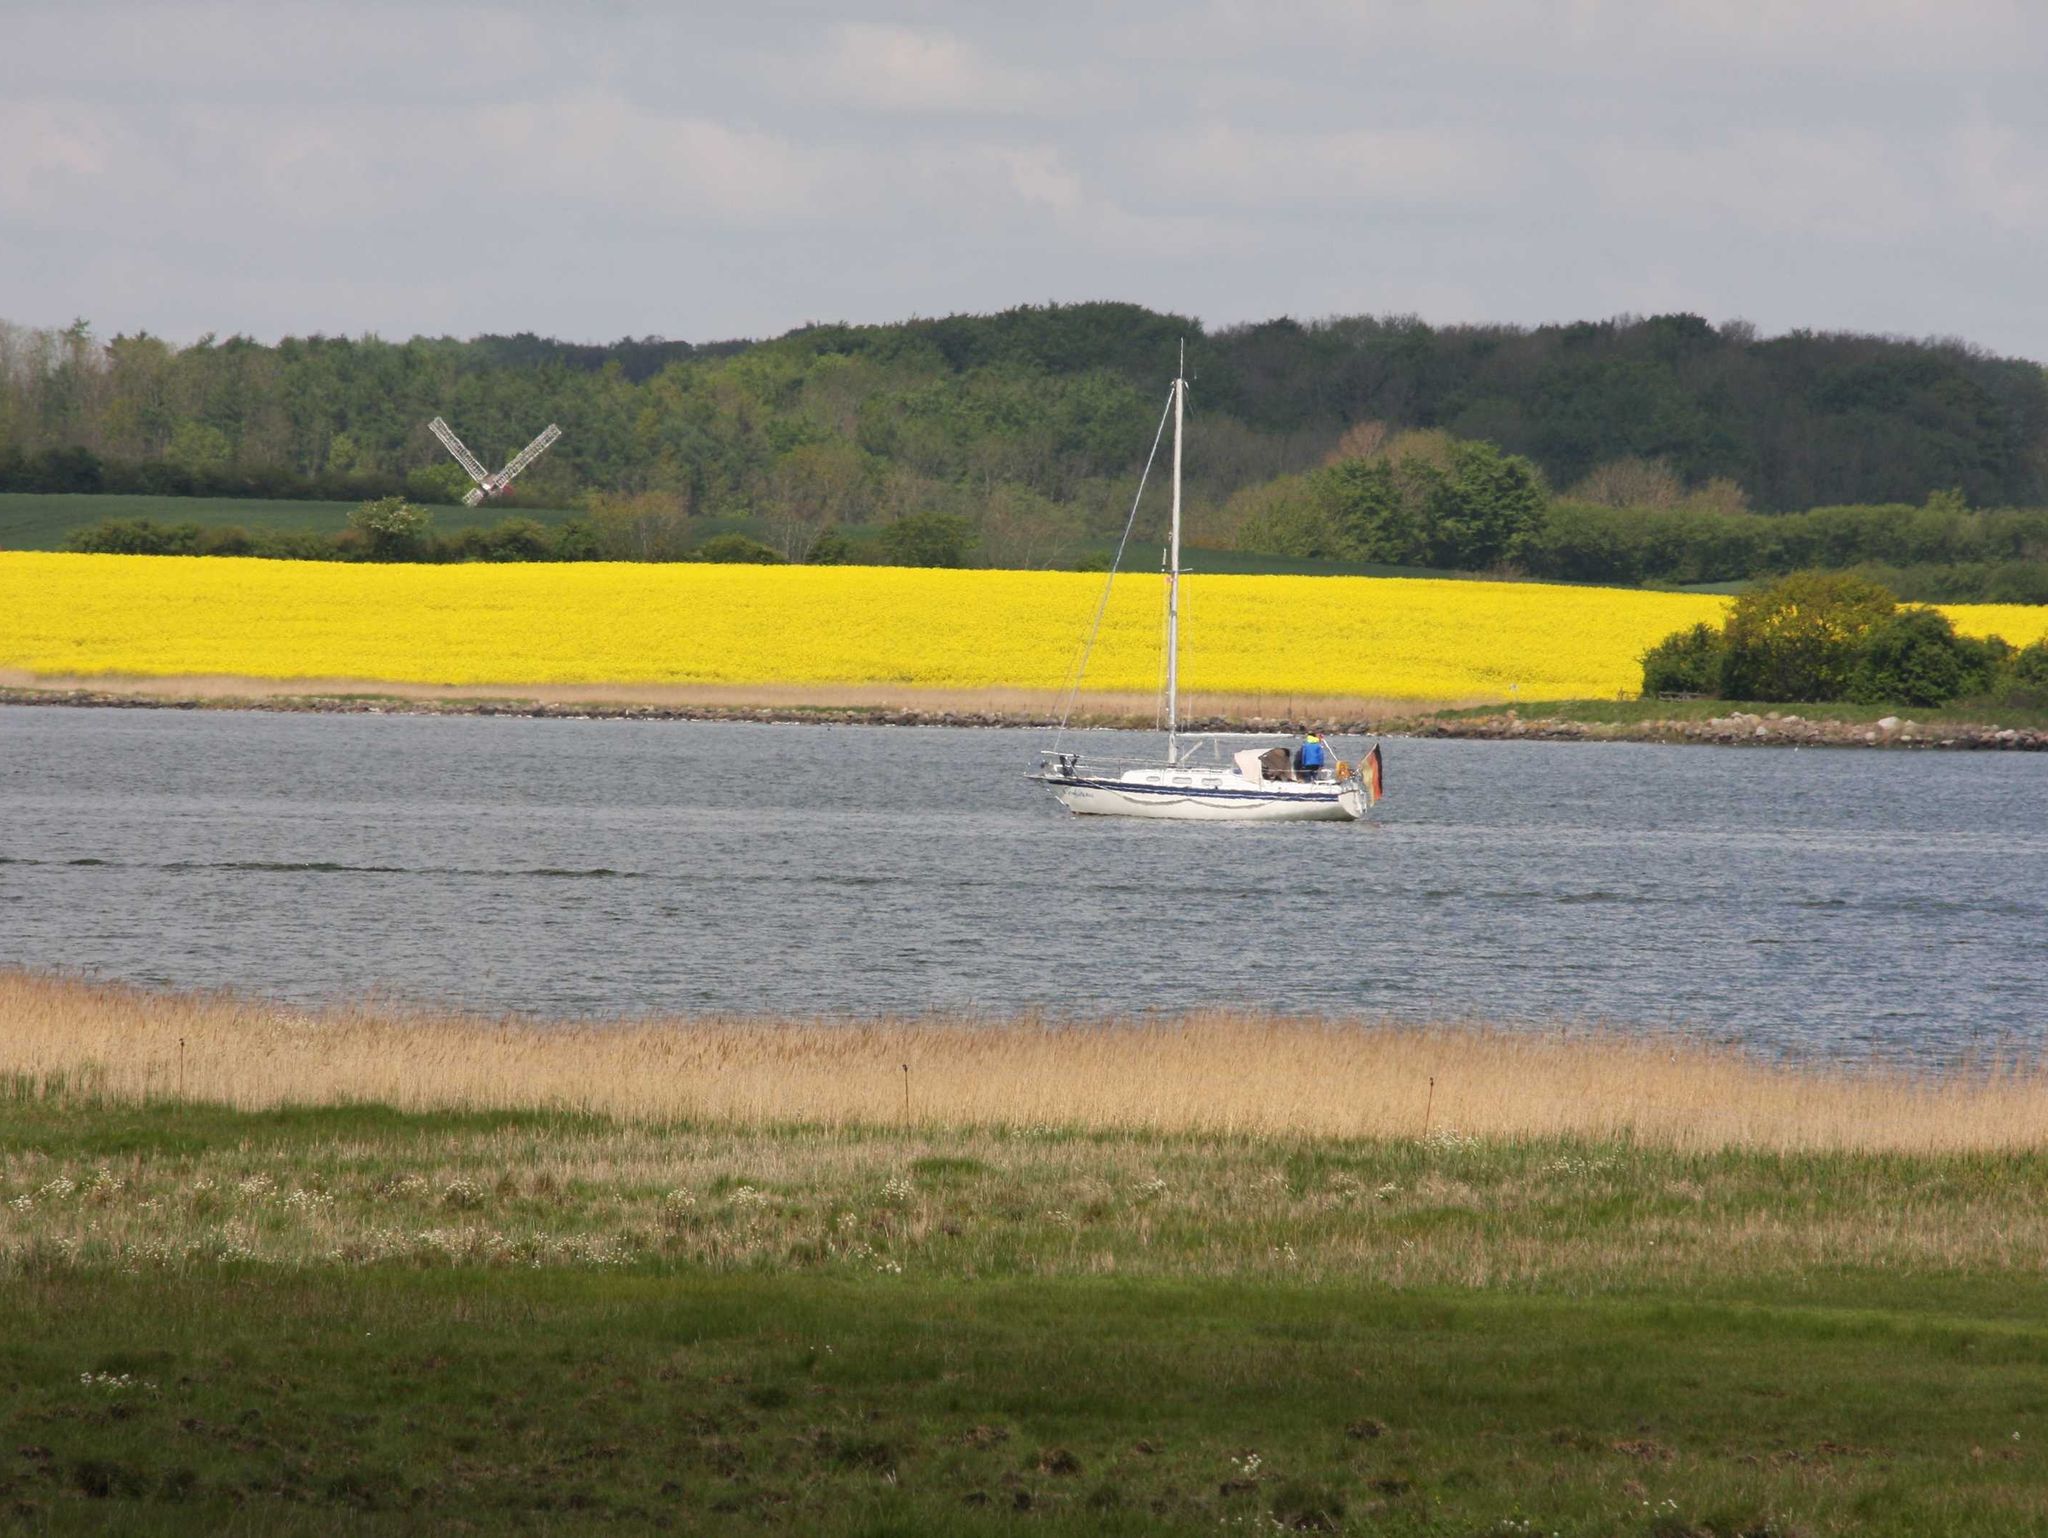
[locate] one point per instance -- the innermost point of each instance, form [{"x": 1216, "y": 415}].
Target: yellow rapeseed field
[{"x": 1395, "y": 638}]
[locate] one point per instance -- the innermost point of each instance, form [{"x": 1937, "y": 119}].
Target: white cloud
[
  {"x": 1843, "y": 184},
  {"x": 599, "y": 149},
  {"x": 908, "y": 69},
  {"x": 55, "y": 150},
  {"x": 294, "y": 50},
  {"x": 1254, "y": 167},
  {"x": 1997, "y": 176}
]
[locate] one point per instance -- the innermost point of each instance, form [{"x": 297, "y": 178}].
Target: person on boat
[{"x": 1314, "y": 758}]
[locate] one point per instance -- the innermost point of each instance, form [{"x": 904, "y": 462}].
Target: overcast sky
[{"x": 596, "y": 170}]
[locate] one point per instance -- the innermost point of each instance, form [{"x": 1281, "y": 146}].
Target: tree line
[
  {"x": 1424, "y": 498},
  {"x": 1611, "y": 448}
]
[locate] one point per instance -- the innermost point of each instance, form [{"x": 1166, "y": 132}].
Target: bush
[
  {"x": 226, "y": 539},
  {"x": 831, "y": 548},
  {"x": 136, "y": 536},
  {"x": 1913, "y": 658},
  {"x": 1822, "y": 637},
  {"x": 928, "y": 539},
  {"x": 738, "y": 550},
  {"x": 1688, "y": 662},
  {"x": 1801, "y": 637},
  {"x": 518, "y": 539},
  {"x": 577, "y": 540},
  {"x": 392, "y": 529},
  {"x": 2029, "y": 665},
  {"x": 1289, "y": 516}
]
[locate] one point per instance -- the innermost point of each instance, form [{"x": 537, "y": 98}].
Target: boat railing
[{"x": 1064, "y": 765}]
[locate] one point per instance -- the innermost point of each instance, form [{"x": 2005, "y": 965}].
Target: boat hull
[{"x": 1276, "y": 802}]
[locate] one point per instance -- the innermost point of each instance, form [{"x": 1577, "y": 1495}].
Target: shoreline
[{"x": 1736, "y": 729}]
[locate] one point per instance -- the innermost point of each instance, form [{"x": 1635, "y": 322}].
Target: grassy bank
[
  {"x": 384, "y": 1275},
  {"x": 356, "y": 1319}
]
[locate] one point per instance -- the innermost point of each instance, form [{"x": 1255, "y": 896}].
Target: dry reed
[
  {"x": 1234, "y": 1073},
  {"x": 1004, "y": 703}
]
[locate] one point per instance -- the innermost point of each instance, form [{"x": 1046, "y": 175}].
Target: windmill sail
[
  {"x": 455, "y": 446},
  {"x": 487, "y": 484}
]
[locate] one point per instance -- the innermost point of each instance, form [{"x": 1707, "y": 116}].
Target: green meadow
[{"x": 356, "y": 1319}]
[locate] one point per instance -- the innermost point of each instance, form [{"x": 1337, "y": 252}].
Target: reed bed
[
  {"x": 1104, "y": 707},
  {"x": 1236, "y": 1073}
]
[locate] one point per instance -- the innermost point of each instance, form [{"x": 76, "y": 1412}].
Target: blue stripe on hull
[{"x": 1200, "y": 792}]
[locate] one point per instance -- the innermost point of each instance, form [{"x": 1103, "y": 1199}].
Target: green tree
[
  {"x": 1288, "y": 516},
  {"x": 813, "y": 487},
  {"x": 1486, "y": 509},
  {"x": 198, "y": 449},
  {"x": 344, "y": 455},
  {"x": 1686, "y": 662},
  {"x": 1912, "y": 658},
  {"x": 445, "y": 483},
  {"x": 2029, "y": 665},
  {"x": 392, "y": 529},
  {"x": 1024, "y": 529},
  {"x": 1380, "y": 507},
  {"x": 646, "y": 526},
  {"x": 928, "y": 539},
  {"x": 1799, "y": 637}
]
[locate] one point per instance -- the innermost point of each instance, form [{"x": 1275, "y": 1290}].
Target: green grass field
[
  {"x": 35, "y": 521},
  {"x": 356, "y": 1320}
]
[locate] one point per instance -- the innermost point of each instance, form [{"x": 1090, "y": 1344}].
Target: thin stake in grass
[
  {"x": 906, "y": 1094},
  {"x": 1428, "y": 1106}
]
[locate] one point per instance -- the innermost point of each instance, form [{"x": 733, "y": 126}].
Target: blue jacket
[{"x": 1314, "y": 755}]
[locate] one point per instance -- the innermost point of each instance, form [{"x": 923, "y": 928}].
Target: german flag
[{"x": 1375, "y": 781}]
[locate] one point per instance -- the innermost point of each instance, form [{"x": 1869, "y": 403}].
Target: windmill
[{"x": 487, "y": 484}]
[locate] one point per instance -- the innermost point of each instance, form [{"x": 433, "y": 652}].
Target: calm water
[{"x": 1847, "y": 903}]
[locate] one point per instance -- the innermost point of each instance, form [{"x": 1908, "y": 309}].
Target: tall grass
[
  {"x": 1218, "y": 1072},
  {"x": 1109, "y": 707}
]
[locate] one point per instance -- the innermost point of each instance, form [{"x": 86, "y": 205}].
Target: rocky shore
[{"x": 1737, "y": 729}]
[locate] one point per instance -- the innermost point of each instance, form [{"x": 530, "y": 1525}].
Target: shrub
[
  {"x": 136, "y": 536},
  {"x": 227, "y": 539},
  {"x": 1289, "y": 516},
  {"x": 518, "y": 539},
  {"x": 1913, "y": 658},
  {"x": 392, "y": 529},
  {"x": 577, "y": 540},
  {"x": 2029, "y": 665},
  {"x": 737, "y": 549},
  {"x": 928, "y": 539},
  {"x": 1687, "y": 662},
  {"x": 1800, "y": 637},
  {"x": 831, "y": 548}
]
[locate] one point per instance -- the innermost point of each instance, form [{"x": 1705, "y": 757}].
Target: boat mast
[{"x": 1180, "y": 394}]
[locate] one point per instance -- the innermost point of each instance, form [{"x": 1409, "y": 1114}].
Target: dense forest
[{"x": 1631, "y": 449}]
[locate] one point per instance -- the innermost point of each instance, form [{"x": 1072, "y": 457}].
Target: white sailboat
[{"x": 1250, "y": 786}]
